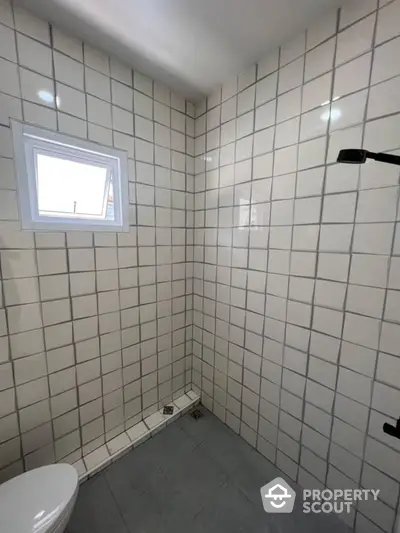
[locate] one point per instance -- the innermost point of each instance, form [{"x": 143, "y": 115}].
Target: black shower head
[
  {"x": 352, "y": 156},
  {"x": 357, "y": 156}
]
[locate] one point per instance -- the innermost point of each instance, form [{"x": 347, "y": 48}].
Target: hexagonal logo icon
[{"x": 277, "y": 496}]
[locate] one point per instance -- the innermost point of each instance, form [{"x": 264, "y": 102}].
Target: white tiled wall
[
  {"x": 93, "y": 328},
  {"x": 295, "y": 260},
  {"x": 296, "y": 335}
]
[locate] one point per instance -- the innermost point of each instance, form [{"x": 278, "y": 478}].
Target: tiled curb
[{"x": 100, "y": 458}]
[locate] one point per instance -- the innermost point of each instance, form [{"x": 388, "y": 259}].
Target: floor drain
[{"x": 196, "y": 414}]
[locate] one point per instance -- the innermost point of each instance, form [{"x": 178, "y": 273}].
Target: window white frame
[{"x": 29, "y": 141}]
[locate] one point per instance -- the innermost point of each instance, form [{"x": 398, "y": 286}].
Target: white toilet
[{"x": 39, "y": 501}]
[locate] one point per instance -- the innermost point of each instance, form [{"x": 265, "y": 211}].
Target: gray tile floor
[{"x": 194, "y": 476}]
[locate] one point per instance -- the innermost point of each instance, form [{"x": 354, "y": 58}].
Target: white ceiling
[{"x": 192, "y": 45}]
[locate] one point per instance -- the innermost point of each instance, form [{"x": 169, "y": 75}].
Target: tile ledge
[{"x": 182, "y": 405}]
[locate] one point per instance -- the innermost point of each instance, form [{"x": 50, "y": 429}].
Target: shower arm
[{"x": 357, "y": 157}]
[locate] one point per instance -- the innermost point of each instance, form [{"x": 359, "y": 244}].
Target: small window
[{"x": 69, "y": 184}]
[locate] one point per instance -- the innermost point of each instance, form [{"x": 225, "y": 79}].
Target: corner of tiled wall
[
  {"x": 296, "y": 305},
  {"x": 95, "y": 329}
]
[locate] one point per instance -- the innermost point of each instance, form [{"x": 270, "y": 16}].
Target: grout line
[{"x": 289, "y": 299}]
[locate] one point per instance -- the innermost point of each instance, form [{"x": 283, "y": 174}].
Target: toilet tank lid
[{"x": 34, "y": 501}]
